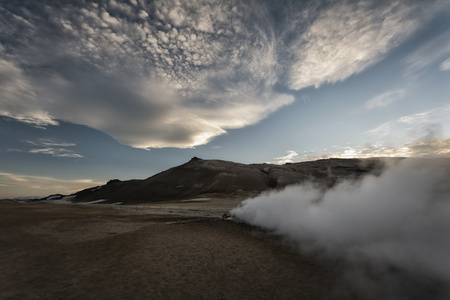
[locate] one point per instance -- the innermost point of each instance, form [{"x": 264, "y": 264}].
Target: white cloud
[
  {"x": 424, "y": 134},
  {"x": 51, "y": 147},
  {"x": 347, "y": 38},
  {"x": 381, "y": 131},
  {"x": 56, "y": 152},
  {"x": 428, "y": 55},
  {"x": 288, "y": 158},
  {"x": 415, "y": 126},
  {"x": 18, "y": 98},
  {"x": 53, "y": 142},
  {"x": 385, "y": 99},
  {"x": 440, "y": 114},
  {"x": 415, "y": 118},
  {"x": 143, "y": 14},
  {"x": 445, "y": 65}
]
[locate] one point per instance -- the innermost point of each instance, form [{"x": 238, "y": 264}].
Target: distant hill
[
  {"x": 225, "y": 179},
  {"x": 200, "y": 178}
]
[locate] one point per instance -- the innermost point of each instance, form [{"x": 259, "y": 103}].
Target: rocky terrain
[{"x": 200, "y": 178}]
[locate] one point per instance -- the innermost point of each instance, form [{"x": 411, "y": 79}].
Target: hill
[{"x": 225, "y": 179}]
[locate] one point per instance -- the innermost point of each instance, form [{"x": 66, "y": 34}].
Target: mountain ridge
[{"x": 223, "y": 179}]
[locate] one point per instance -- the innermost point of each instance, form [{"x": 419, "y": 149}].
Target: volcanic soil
[{"x": 50, "y": 251}]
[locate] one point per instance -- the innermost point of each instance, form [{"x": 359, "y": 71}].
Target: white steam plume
[{"x": 401, "y": 217}]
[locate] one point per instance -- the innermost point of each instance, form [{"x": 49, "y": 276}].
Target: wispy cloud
[
  {"x": 56, "y": 152},
  {"x": 429, "y": 55},
  {"x": 445, "y": 65},
  {"x": 51, "y": 147},
  {"x": 385, "y": 99},
  {"x": 288, "y": 158},
  {"x": 348, "y": 37},
  {"x": 414, "y": 125},
  {"x": 415, "y": 135},
  {"x": 18, "y": 98},
  {"x": 381, "y": 131},
  {"x": 414, "y": 118}
]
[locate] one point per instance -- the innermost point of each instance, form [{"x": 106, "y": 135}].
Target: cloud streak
[
  {"x": 385, "y": 99},
  {"x": 434, "y": 52},
  {"x": 51, "y": 147}
]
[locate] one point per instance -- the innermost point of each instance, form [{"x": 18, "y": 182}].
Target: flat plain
[{"x": 178, "y": 250}]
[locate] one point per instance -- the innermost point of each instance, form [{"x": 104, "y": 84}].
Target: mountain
[{"x": 225, "y": 179}]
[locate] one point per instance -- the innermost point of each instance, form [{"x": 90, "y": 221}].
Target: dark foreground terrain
[
  {"x": 52, "y": 251},
  {"x": 173, "y": 251}
]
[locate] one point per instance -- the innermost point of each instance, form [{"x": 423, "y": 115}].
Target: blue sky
[{"x": 96, "y": 90}]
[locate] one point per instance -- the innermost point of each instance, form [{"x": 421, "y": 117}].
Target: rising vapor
[{"x": 400, "y": 218}]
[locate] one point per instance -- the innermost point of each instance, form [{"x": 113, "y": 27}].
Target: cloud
[
  {"x": 421, "y": 135},
  {"x": 385, "y": 99},
  {"x": 40, "y": 185},
  {"x": 430, "y": 148},
  {"x": 399, "y": 218},
  {"x": 415, "y": 118},
  {"x": 177, "y": 78},
  {"x": 18, "y": 98},
  {"x": 414, "y": 126},
  {"x": 445, "y": 65},
  {"x": 423, "y": 148},
  {"x": 438, "y": 49},
  {"x": 347, "y": 38},
  {"x": 381, "y": 131},
  {"x": 177, "y": 74},
  {"x": 51, "y": 147},
  {"x": 56, "y": 152},
  {"x": 289, "y": 158}
]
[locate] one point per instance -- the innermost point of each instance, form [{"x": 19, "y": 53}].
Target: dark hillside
[{"x": 217, "y": 178}]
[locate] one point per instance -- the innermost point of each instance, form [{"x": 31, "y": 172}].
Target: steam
[{"x": 401, "y": 218}]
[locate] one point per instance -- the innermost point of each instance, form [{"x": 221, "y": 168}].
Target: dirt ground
[
  {"x": 50, "y": 251},
  {"x": 177, "y": 250}
]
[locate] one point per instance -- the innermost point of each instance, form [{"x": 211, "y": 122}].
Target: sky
[{"x": 99, "y": 90}]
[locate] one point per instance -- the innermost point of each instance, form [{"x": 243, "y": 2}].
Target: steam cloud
[{"x": 400, "y": 218}]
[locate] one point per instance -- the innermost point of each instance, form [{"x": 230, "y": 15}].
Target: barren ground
[{"x": 50, "y": 251}]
